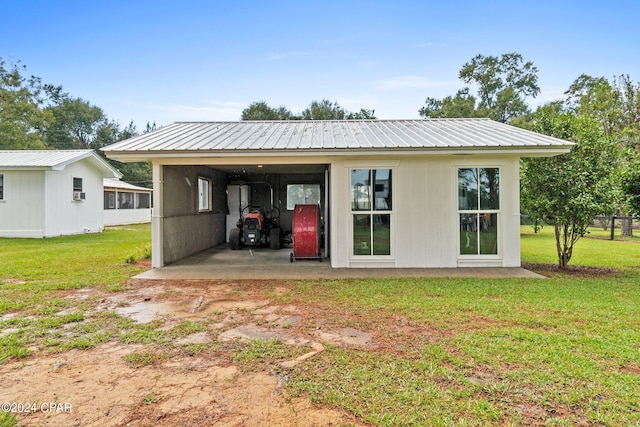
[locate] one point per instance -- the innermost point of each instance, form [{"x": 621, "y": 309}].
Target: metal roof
[
  {"x": 121, "y": 185},
  {"x": 332, "y": 135},
  {"x": 52, "y": 160}
]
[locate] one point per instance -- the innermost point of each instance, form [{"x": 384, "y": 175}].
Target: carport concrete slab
[{"x": 264, "y": 263}]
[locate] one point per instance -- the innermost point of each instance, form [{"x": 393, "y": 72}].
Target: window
[
  {"x": 204, "y": 194},
  {"x": 371, "y": 209},
  {"x": 478, "y": 210},
  {"x": 125, "y": 200},
  {"x": 144, "y": 200},
  {"x": 78, "y": 195},
  {"x": 302, "y": 194},
  {"x": 109, "y": 199},
  {"x": 1, "y": 187},
  {"x": 77, "y": 185}
]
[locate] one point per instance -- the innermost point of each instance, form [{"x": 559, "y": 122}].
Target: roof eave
[
  {"x": 522, "y": 151},
  {"x": 26, "y": 168}
]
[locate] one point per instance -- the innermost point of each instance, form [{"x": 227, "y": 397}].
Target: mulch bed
[{"x": 572, "y": 270}]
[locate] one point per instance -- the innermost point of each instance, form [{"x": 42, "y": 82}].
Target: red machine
[{"x": 306, "y": 232}]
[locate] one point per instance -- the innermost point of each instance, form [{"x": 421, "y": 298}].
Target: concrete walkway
[{"x": 264, "y": 263}]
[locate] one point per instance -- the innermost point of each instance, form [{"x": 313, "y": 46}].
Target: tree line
[
  {"x": 600, "y": 176},
  {"x": 317, "y": 110},
  {"x": 38, "y": 116}
]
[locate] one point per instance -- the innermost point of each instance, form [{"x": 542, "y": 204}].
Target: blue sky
[{"x": 207, "y": 60}]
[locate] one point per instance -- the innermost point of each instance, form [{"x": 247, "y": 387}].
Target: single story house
[
  {"x": 392, "y": 193},
  {"x": 46, "y": 193},
  {"x": 126, "y": 203}
]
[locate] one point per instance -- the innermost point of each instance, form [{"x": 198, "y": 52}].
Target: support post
[
  {"x": 613, "y": 226},
  {"x": 157, "y": 217}
]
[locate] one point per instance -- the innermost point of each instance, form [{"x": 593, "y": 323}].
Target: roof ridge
[{"x": 333, "y": 120}]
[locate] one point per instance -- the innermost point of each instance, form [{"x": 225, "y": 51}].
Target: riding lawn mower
[{"x": 256, "y": 228}]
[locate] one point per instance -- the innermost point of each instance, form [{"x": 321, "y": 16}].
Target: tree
[
  {"x": 74, "y": 123},
  {"x": 327, "y": 110},
  {"x": 461, "y": 105},
  {"x": 21, "y": 118},
  {"x": 317, "y": 110},
  {"x": 34, "y": 115},
  {"x": 138, "y": 173},
  {"x": 150, "y": 127},
  {"x": 567, "y": 191},
  {"x": 631, "y": 185},
  {"x": 324, "y": 110},
  {"x": 363, "y": 114},
  {"x": 260, "y": 110},
  {"x": 630, "y": 117},
  {"x": 616, "y": 107},
  {"x": 503, "y": 85}
]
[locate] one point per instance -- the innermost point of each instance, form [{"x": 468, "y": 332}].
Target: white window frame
[
  {"x": 110, "y": 199},
  {"x": 204, "y": 194},
  {"x": 372, "y": 211},
  {"x": 479, "y": 211}
]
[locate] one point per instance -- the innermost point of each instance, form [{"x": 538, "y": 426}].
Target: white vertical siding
[
  {"x": 423, "y": 200},
  {"x": 65, "y": 215},
  {"x": 511, "y": 220},
  {"x": 126, "y": 216},
  {"x": 340, "y": 215},
  {"x": 21, "y": 212},
  {"x": 425, "y": 231}
]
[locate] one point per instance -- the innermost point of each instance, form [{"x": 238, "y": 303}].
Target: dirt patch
[
  {"x": 97, "y": 387},
  {"x": 573, "y": 270}
]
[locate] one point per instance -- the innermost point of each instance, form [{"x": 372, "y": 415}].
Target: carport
[
  {"x": 273, "y": 186},
  {"x": 203, "y": 202}
]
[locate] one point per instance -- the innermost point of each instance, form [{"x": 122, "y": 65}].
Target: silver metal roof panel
[
  {"x": 40, "y": 158},
  {"x": 121, "y": 185},
  {"x": 52, "y": 160},
  {"x": 335, "y": 135}
]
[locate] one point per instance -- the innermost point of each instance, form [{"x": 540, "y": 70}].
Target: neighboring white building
[
  {"x": 46, "y": 193},
  {"x": 393, "y": 193},
  {"x": 125, "y": 203}
]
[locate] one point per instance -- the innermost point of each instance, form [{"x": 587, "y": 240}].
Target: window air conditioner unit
[{"x": 78, "y": 195}]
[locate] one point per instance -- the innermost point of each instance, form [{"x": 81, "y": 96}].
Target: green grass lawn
[
  {"x": 594, "y": 250},
  {"x": 468, "y": 352},
  {"x": 559, "y": 351},
  {"x": 35, "y": 273},
  {"x": 32, "y": 268}
]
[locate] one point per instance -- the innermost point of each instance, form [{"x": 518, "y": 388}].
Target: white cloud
[{"x": 407, "y": 81}]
